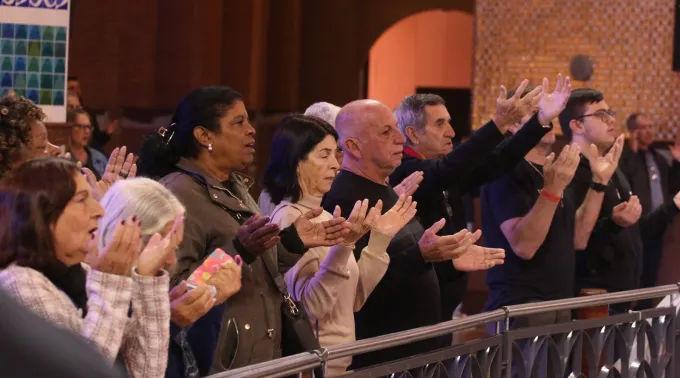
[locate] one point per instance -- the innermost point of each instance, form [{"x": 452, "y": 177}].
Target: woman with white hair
[{"x": 157, "y": 209}]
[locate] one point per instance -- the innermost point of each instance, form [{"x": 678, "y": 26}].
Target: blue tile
[
  {"x": 58, "y": 98},
  {"x": 33, "y": 95},
  {"x": 34, "y": 32},
  {"x": 60, "y": 65},
  {"x": 20, "y": 64},
  {"x": 7, "y": 31},
  {"x": 22, "y": 31},
  {"x": 6, "y": 80}
]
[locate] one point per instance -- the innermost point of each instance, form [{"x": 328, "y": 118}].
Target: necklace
[{"x": 542, "y": 176}]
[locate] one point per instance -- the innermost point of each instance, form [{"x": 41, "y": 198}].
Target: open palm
[
  {"x": 551, "y": 105},
  {"x": 479, "y": 258},
  {"x": 603, "y": 167},
  {"x": 397, "y": 217},
  {"x": 119, "y": 167}
]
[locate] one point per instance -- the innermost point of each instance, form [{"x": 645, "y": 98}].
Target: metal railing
[{"x": 589, "y": 347}]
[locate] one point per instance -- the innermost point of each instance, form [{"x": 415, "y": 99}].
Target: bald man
[{"x": 408, "y": 295}]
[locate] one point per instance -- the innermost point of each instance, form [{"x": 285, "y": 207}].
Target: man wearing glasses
[{"x": 612, "y": 260}]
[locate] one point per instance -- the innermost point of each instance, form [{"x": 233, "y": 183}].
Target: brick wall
[{"x": 629, "y": 41}]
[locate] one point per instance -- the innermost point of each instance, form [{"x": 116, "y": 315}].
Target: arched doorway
[{"x": 431, "y": 49}]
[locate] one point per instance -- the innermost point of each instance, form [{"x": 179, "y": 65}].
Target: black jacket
[{"x": 482, "y": 159}]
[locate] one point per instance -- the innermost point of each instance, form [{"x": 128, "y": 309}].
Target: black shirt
[
  {"x": 408, "y": 295},
  {"x": 549, "y": 274}
]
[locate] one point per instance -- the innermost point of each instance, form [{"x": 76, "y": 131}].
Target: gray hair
[
  {"x": 411, "y": 111},
  {"x": 324, "y": 110},
  {"x": 153, "y": 204}
]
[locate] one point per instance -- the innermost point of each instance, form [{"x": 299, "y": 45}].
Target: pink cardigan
[{"x": 142, "y": 340}]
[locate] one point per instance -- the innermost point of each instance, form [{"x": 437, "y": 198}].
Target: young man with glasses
[{"x": 612, "y": 259}]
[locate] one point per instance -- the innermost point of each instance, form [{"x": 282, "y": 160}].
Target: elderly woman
[
  {"x": 23, "y": 135},
  {"x": 330, "y": 282},
  {"x": 198, "y": 158},
  {"x": 77, "y": 146},
  {"x": 122, "y": 308},
  {"x": 157, "y": 209}
]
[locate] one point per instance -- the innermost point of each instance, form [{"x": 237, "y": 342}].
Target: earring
[{"x": 210, "y": 147}]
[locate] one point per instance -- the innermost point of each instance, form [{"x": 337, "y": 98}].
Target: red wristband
[{"x": 550, "y": 196}]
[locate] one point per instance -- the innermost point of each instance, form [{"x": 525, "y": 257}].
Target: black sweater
[
  {"x": 476, "y": 162},
  {"x": 408, "y": 295}
]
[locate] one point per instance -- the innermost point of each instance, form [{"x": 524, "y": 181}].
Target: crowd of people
[{"x": 165, "y": 264}]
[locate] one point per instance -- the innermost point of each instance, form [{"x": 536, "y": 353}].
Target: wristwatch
[{"x": 597, "y": 187}]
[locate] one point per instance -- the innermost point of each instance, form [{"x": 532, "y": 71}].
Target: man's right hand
[
  {"x": 628, "y": 213},
  {"x": 187, "y": 306},
  {"x": 511, "y": 110},
  {"x": 559, "y": 172},
  {"x": 442, "y": 248}
]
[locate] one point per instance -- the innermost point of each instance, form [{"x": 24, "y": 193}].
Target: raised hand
[
  {"x": 397, "y": 217},
  {"x": 160, "y": 251},
  {"x": 479, "y": 258},
  {"x": 121, "y": 251},
  {"x": 187, "y": 306},
  {"x": 511, "y": 110},
  {"x": 119, "y": 167},
  {"x": 627, "y": 213},
  {"x": 559, "y": 173},
  {"x": 360, "y": 220},
  {"x": 603, "y": 167},
  {"x": 257, "y": 235},
  {"x": 410, "y": 184},
  {"x": 551, "y": 105},
  {"x": 324, "y": 234},
  {"x": 227, "y": 281},
  {"x": 441, "y": 248}
]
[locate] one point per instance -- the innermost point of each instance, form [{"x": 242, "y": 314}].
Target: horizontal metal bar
[
  {"x": 281, "y": 367},
  {"x": 595, "y": 300},
  {"x": 416, "y": 334}
]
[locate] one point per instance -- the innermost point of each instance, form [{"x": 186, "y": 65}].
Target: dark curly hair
[{"x": 17, "y": 114}]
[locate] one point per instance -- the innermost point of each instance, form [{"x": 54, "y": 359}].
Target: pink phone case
[{"x": 210, "y": 265}]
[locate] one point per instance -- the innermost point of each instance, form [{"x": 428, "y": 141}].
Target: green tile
[
  {"x": 34, "y": 48},
  {"x": 21, "y": 32},
  {"x": 47, "y": 49},
  {"x": 46, "y": 97},
  {"x": 61, "y": 33},
  {"x": 60, "y": 50},
  {"x": 6, "y": 64},
  {"x": 46, "y": 65},
  {"x": 60, "y": 65},
  {"x": 58, "y": 98},
  {"x": 6, "y": 46},
  {"x": 48, "y": 33},
  {"x": 21, "y": 47},
  {"x": 46, "y": 81},
  {"x": 20, "y": 92},
  {"x": 59, "y": 82},
  {"x": 33, "y": 81},
  {"x": 33, "y": 64},
  {"x": 20, "y": 80}
]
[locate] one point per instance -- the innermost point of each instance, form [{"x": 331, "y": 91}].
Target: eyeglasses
[
  {"x": 84, "y": 127},
  {"x": 603, "y": 114}
]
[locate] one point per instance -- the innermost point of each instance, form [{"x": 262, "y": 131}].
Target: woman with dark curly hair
[{"x": 23, "y": 135}]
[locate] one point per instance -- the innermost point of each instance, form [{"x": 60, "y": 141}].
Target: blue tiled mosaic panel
[
  {"x": 43, "y": 4},
  {"x": 33, "y": 62}
]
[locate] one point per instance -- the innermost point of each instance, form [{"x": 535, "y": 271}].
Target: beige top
[{"x": 330, "y": 283}]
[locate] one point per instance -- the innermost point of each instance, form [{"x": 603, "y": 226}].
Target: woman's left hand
[
  {"x": 160, "y": 250},
  {"x": 119, "y": 167},
  {"x": 324, "y": 234},
  {"x": 360, "y": 220}
]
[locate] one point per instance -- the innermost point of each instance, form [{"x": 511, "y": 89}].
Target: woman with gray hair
[{"x": 158, "y": 210}]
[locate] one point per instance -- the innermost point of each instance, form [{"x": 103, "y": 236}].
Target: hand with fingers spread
[
  {"x": 227, "y": 281},
  {"x": 441, "y": 248},
  {"x": 479, "y": 258},
  {"x": 559, "y": 172},
  {"x": 360, "y": 220},
  {"x": 511, "y": 110},
  {"x": 627, "y": 213},
  {"x": 257, "y": 235},
  {"x": 410, "y": 184},
  {"x": 159, "y": 251},
  {"x": 603, "y": 167},
  {"x": 324, "y": 234},
  {"x": 550, "y": 105},
  {"x": 187, "y": 306},
  {"x": 121, "y": 251},
  {"x": 119, "y": 167},
  {"x": 397, "y": 217}
]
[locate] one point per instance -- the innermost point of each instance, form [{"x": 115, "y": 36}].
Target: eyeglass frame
[{"x": 599, "y": 113}]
